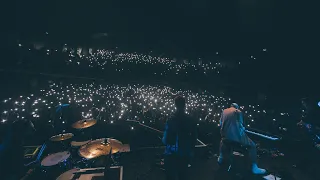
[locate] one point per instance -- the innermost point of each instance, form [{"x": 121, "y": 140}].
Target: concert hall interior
[{"x": 150, "y": 90}]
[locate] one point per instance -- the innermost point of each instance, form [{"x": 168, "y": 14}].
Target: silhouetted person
[
  {"x": 12, "y": 152},
  {"x": 232, "y": 129},
  {"x": 180, "y": 138},
  {"x": 308, "y": 135}
]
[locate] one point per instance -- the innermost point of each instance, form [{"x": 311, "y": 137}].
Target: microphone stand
[
  {"x": 58, "y": 110},
  {"x": 144, "y": 175}
]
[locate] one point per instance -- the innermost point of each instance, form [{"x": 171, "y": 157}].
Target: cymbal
[
  {"x": 61, "y": 137},
  {"x": 79, "y": 143},
  {"x": 85, "y": 123},
  {"x": 100, "y": 147}
]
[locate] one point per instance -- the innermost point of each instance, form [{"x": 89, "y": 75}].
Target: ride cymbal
[{"x": 85, "y": 123}]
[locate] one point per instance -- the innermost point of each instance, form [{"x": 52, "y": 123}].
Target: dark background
[{"x": 186, "y": 29}]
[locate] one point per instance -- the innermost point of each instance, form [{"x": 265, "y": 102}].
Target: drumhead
[
  {"x": 67, "y": 175},
  {"x": 56, "y": 158}
]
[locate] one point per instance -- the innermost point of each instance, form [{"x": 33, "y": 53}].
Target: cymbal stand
[{"x": 58, "y": 110}]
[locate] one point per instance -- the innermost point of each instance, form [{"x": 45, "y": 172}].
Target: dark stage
[{"x": 144, "y": 160}]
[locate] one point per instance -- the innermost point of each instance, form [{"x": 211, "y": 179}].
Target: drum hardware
[
  {"x": 81, "y": 154},
  {"x": 33, "y": 154}
]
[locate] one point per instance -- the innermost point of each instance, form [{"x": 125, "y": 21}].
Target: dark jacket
[{"x": 180, "y": 135}]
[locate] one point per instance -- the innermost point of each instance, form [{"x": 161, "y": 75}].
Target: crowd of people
[
  {"x": 103, "y": 58},
  {"x": 148, "y": 104},
  {"x": 102, "y": 63}
]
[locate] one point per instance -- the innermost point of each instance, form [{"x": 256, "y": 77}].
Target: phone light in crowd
[{"x": 319, "y": 103}]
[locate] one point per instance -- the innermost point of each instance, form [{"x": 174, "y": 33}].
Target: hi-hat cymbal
[
  {"x": 79, "y": 143},
  {"x": 61, "y": 137},
  {"x": 100, "y": 147},
  {"x": 85, "y": 123}
]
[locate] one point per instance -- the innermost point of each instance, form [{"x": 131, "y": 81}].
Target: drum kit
[{"x": 76, "y": 154}]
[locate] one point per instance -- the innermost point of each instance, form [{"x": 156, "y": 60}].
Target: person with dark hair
[
  {"x": 232, "y": 129},
  {"x": 11, "y": 150},
  {"x": 180, "y": 138}
]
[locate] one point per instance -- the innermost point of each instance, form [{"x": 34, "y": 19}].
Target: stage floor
[{"x": 143, "y": 166}]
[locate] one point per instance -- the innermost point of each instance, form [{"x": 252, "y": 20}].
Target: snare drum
[{"x": 56, "y": 163}]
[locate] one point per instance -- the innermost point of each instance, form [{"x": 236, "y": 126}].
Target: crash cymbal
[
  {"x": 61, "y": 137},
  {"x": 100, "y": 147},
  {"x": 85, "y": 123}
]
